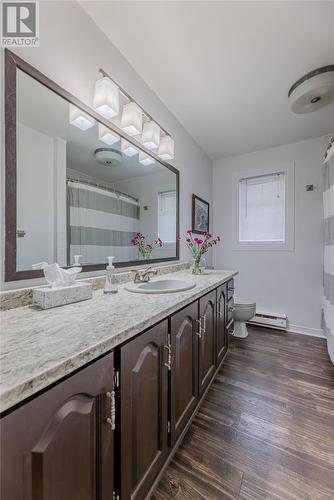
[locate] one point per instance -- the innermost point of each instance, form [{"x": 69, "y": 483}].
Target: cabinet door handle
[
  {"x": 111, "y": 419},
  {"x": 168, "y": 364},
  {"x": 231, "y": 331},
  {"x": 199, "y": 331},
  {"x": 231, "y": 309},
  {"x": 204, "y": 323}
]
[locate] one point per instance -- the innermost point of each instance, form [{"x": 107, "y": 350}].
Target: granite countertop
[{"x": 39, "y": 347}]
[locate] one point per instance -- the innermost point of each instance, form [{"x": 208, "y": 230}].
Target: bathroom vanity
[{"x": 97, "y": 396}]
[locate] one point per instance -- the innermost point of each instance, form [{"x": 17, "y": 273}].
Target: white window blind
[
  {"x": 167, "y": 216},
  {"x": 262, "y": 209}
]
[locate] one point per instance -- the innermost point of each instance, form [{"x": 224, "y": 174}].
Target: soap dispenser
[{"x": 111, "y": 284}]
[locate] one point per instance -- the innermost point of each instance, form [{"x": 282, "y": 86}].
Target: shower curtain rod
[{"x": 101, "y": 186}]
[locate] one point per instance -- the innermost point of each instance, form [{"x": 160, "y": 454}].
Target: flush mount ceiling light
[
  {"x": 145, "y": 159},
  {"x": 108, "y": 156},
  {"x": 107, "y": 136},
  {"x": 106, "y": 97},
  {"x": 313, "y": 91},
  {"x": 132, "y": 119},
  {"x": 151, "y": 135},
  {"x": 127, "y": 148},
  {"x": 80, "y": 119},
  {"x": 166, "y": 148}
]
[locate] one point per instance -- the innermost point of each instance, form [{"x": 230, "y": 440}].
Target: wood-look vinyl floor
[{"x": 266, "y": 427}]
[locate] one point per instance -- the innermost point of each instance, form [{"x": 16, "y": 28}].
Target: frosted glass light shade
[
  {"x": 151, "y": 135},
  {"x": 132, "y": 119},
  {"x": 107, "y": 136},
  {"x": 145, "y": 159},
  {"x": 106, "y": 98},
  {"x": 166, "y": 148},
  {"x": 80, "y": 119},
  {"x": 127, "y": 148}
]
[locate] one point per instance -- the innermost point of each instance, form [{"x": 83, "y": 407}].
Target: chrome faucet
[{"x": 144, "y": 275}]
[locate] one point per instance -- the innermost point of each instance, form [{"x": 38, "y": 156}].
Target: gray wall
[
  {"x": 279, "y": 281},
  {"x": 72, "y": 49}
]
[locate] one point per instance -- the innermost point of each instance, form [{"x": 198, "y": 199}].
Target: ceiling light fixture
[
  {"x": 127, "y": 148},
  {"x": 107, "y": 136},
  {"x": 132, "y": 119},
  {"x": 151, "y": 135},
  {"x": 106, "y": 98},
  {"x": 166, "y": 148},
  {"x": 145, "y": 159},
  {"x": 313, "y": 91},
  {"x": 80, "y": 119}
]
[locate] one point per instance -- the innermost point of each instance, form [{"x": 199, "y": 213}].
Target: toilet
[{"x": 244, "y": 310}]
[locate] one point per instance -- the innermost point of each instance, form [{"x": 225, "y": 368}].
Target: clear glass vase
[{"x": 197, "y": 265}]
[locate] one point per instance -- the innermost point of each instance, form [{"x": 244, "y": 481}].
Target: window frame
[
  {"x": 289, "y": 243},
  {"x": 166, "y": 242}
]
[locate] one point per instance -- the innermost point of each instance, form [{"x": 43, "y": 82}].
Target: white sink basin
[{"x": 160, "y": 286}]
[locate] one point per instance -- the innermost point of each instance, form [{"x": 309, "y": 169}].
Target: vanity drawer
[{"x": 230, "y": 289}]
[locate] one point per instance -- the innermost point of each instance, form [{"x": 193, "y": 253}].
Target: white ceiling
[{"x": 224, "y": 68}]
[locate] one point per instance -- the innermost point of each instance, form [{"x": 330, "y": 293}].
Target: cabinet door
[
  {"x": 51, "y": 446},
  {"x": 207, "y": 343},
  {"x": 221, "y": 323},
  {"x": 184, "y": 369},
  {"x": 144, "y": 401}
]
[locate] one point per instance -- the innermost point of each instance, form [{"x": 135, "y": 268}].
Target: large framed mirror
[{"x": 71, "y": 191}]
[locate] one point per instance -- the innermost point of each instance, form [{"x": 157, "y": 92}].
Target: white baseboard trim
[{"x": 305, "y": 330}]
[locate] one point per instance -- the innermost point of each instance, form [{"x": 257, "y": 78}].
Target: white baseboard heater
[{"x": 271, "y": 320}]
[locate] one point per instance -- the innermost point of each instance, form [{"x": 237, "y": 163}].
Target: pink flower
[
  {"x": 199, "y": 241},
  {"x": 188, "y": 240},
  {"x": 189, "y": 231},
  {"x": 218, "y": 238},
  {"x": 178, "y": 238}
]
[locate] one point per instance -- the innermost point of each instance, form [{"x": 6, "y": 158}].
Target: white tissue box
[{"x": 45, "y": 298}]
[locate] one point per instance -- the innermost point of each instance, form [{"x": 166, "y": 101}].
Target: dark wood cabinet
[
  {"x": 144, "y": 410},
  {"x": 207, "y": 342},
  {"x": 52, "y": 446},
  {"x": 106, "y": 432},
  {"x": 222, "y": 339},
  {"x": 184, "y": 329}
]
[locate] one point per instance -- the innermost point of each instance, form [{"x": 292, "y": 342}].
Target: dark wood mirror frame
[{"x": 12, "y": 63}]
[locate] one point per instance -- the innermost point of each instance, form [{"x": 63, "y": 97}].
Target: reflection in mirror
[{"x": 81, "y": 191}]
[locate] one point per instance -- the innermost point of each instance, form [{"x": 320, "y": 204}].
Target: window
[
  {"x": 167, "y": 216},
  {"x": 262, "y": 209}
]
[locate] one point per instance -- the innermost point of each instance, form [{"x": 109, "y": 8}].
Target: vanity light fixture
[
  {"x": 166, "y": 148},
  {"x": 106, "y": 98},
  {"x": 107, "y": 136},
  {"x": 132, "y": 119},
  {"x": 80, "y": 119},
  {"x": 151, "y": 135},
  {"x": 145, "y": 159},
  {"x": 127, "y": 148}
]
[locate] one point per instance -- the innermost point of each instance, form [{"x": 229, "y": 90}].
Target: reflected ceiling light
[
  {"x": 106, "y": 98},
  {"x": 127, "y": 148},
  {"x": 132, "y": 119},
  {"x": 145, "y": 159},
  {"x": 107, "y": 136},
  {"x": 80, "y": 119},
  {"x": 151, "y": 135},
  {"x": 166, "y": 148}
]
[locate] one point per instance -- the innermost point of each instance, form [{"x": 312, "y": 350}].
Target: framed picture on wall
[{"x": 200, "y": 215}]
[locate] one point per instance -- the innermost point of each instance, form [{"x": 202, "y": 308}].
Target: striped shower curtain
[
  {"x": 101, "y": 223},
  {"x": 328, "y": 300}
]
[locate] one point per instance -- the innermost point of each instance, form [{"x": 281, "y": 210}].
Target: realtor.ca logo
[{"x": 19, "y": 24}]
